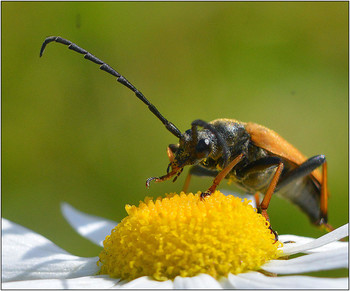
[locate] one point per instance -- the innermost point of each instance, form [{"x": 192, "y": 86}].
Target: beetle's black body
[{"x": 254, "y": 157}]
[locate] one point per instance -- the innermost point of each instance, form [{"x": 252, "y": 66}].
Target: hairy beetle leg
[{"x": 175, "y": 171}]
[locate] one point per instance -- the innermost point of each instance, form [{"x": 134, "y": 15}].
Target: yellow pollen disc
[{"x": 182, "y": 235}]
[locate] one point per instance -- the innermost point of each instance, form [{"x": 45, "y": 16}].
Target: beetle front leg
[
  {"x": 198, "y": 171},
  {"x": 221, "y": 176},
  {"x": 169, "y": 175}
]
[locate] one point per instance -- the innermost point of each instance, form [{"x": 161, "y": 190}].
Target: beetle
[{"x": 252, "y": 156}]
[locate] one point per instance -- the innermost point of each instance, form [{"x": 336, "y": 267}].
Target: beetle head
[{"x": 194, "y": 146}]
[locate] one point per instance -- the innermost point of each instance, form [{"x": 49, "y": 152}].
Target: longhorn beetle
[{"x": 254, "y": 157}]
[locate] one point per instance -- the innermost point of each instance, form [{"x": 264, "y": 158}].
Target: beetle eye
[{"x": 203, "y": 145}]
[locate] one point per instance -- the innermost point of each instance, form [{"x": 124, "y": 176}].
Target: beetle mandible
[{"x": 254, "y": 157}]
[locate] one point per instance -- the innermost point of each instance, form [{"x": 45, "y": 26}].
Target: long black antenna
[{"x": 103, "y": 66}]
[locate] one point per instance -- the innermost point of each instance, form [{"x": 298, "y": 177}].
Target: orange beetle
[
  {"x": 255, "y": 158},
  {"x": 252, "y": 156}
]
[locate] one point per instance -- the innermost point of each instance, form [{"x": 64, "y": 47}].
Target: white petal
[
  {"x": 92, "y": 227},
  {"x": 309, "y": 263},
  {"x": 202, "y": 281},
  {"x": 301, "y": 240},
  {"x": 335, "y": 235},
  {"x": 329, "y": 247},
  {"x": 90, "y": 282},
  {"x": 27, "y": 255},
  {"x": 255, "y": 280},
  {"x": 147, "y": 283}
]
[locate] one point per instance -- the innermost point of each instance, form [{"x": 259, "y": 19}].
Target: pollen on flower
[{"x": 182, "y": 235}]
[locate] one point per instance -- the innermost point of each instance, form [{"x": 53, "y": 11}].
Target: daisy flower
[{"x": 179, "y": 241}]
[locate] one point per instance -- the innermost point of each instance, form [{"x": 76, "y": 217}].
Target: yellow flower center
[{"x": 182, "y": 235}]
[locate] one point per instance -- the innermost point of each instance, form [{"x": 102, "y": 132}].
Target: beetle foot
[
  {"x": 205, "y": 194},
  {"x": 149, "y": 180},
  {"x": 175, "y": 171},
  {"x": 275, "y": 234}
]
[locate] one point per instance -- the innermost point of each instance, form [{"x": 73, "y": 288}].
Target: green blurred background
[{"x": 72, "y": 133}]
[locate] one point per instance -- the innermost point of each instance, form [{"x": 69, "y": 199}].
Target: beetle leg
[
  {"x": 187, "y": 182},
  {"x": 257, "y": 199},
  {"x": 267, "y": 198},
  {"x": 222, "y": 175},
  {"x": 259, "y": 166},
  {"x": 165, "y": 177},
  {"x": 178, "y": 174},
  {"x": 305, "y": 169},
  {"x": 262, "y": 165},
  {"x": 324, "y": 194},
  {"x": 198, "y": 171},
  {"x": 324, "y": 200}
]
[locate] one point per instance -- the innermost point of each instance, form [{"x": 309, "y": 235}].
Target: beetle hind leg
[
  {"x": 324, "y": 195},
  {"x": 305, "y": 169},
  {"x": 257, "y": 198}
]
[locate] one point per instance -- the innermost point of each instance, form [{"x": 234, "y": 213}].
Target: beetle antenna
[
  {"x": 225, "y": 150},
  {"x": 121, "y": 79}
]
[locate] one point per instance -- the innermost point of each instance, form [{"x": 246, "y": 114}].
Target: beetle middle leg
[
  {"x": 267, "y": 198},
  {"x": 260, "y": 167}
]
